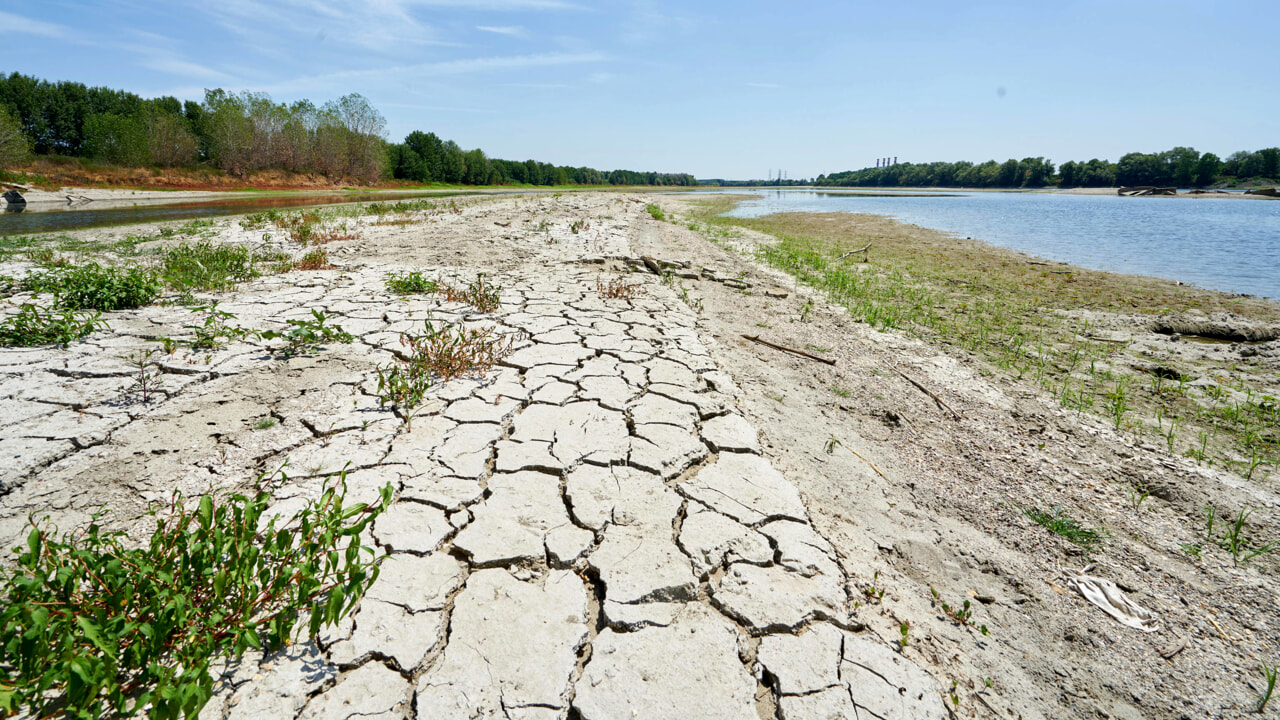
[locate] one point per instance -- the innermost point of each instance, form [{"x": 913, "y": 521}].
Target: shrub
[
  {"x": 409, "y": 283},
  {"x": 33, "y": 325},
  {"x": 655, "y": 212},
  {"x": 94, "y": 287},
  {"x": 92, "y": 628}
]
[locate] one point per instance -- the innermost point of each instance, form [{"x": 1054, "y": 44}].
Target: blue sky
[{"x": 715, "y": 88}]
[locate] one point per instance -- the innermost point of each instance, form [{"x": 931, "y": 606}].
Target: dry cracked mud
[{"x": 589, "y": 530}]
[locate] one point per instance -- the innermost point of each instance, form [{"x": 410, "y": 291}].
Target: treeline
[
  {"x": 242, "y": 133},
  {"x": 1180, "y": 167}
]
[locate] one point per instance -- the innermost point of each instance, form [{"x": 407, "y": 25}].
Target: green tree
[
  {"x": 14, "y": 148},
  {"x": 1206, "y": 171},
  {"x": 116, "y": 139}
]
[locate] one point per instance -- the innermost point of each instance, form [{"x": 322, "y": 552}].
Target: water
[
  {"x": 1221, "y": 244},
  {"x": 49, "y": 217}
]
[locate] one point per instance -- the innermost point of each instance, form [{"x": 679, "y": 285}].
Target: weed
[
  {"x": 1137, "y": 496},
  {"x": 841, "y": 392},
  {"x": 832, "y": 444},
  {"x": 1234, "y": 541},
  {"x": 146, "y": 375},
  {"x": 1269, "y": 674},
  {"x": 96, "y": 626},
  {"x": 1192, "y": 550},
  {"x": 1059, "y": 522},
  {"x": 962, "y": 615},
  {"x": 478, "y": 294},
  {"x": 447, "y": 352},
  {"x": 205, "y": 266},
  {"x": 817, "y": 348},
  {"x": 655, "y": 212},
  {"x": 904, "y": 634},
  {"x": 806, "y": 310},
  {"x": 216, "y": 330},
  {"x": 315, "y": 259},
  {"x": 95, "y": 287},
  {"x": 409, "y": 283},
  {"x": 616, "y": 289},
  {"x": 309, "y": 334},
  {"x": 33, "y": 325},
  {"x": 579, "y": 226},
  {"x": 265, "y": 424}
]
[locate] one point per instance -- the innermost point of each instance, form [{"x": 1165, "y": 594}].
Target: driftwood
[
  {"x": 1146, "y": 190},
  {"x": 499, "y": 223},
  {"x": 652, "y": 264},
  {"x": 928, "y": 392},
  {"x": 24, "y": 188},
  {"x": 866, "y": 257},
  {"x": 801, "y": 353},
  {"x": 1265, "y": 192}
]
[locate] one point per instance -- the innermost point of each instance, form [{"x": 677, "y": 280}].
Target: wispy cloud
[
  {"x": 183, "y": 68},
  {"x": 499, "y": 4},
  {"x": 512, "y": 30},
  {"x": 10, "y": 23}
]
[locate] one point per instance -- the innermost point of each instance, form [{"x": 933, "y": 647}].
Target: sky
[{"x": 721, "y": 89}]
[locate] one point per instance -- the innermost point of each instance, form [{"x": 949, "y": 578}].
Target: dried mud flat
[{"x": 642, "y": 515}]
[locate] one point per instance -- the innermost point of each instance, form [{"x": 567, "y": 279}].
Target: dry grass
[
  {"x": 316, "y": 259},
  {"x": 479, "y": 294},
  {"x": 617, "y": 289}
]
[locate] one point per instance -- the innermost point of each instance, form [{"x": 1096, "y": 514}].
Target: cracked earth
[{"x": 589, "y": 530}]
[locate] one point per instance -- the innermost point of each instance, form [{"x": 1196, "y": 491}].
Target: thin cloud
[
  {"x": 511, "y": 30},
  {"x": 10, "y": 23},
  {"x": 498, "y": 4},
  {"x": 183, "y": 68}
]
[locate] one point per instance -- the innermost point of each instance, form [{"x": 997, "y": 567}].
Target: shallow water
[
  {"x": 1221, "y": 244},
  {"x": 48, "y": 217}
]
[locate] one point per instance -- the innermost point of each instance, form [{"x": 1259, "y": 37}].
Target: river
[{"x": 1224, "y": 244}]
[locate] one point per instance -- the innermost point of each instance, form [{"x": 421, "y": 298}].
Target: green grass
[
  {"x": 1059, "y": 522},
  {"x": 655, "y": 212},
  {"x": 205, "y": 266}
]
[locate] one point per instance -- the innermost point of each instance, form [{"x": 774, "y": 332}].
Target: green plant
[
  {"x": 205, "y": 266},
  {"x": 904, "y": 631},
  {"x": 841, "y": 392},
  {"x": 1137, "y": 496},
  {"x": 832, "y": 444},
  {"x": 655, "y": 212},
  {"x": 1059, "y": 522},
  {"x": 1269, "y": 674},
  {"x": 94, "y": 287},
  {"x": 1193, "y": 550},
  {"x": 146, "y": 374},
  {"x": 962, "y": 615},
  {"x": 410, "y": 282},
  {"x": 579, "y": 225},
  {"x": 93, "y": 627},
  {"x": 265, "y": 424},
  {"x": 1234, "y": 541},
  {"x": 216, "y": 330},
  {"x": 309, "y": 334},
  {"x": 33, "y": 325},
  {"x": 806, "y": 310}
]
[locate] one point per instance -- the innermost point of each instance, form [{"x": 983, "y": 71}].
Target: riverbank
[{"x": 637, "y": 473}]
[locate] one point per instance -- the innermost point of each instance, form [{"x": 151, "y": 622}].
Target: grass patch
[
  {"x": 617, "y": 289},
  {"x": 655, "y": 212},
  {"x": 479, "y": 294},
  {"x": 206, "y": 266},
  {"x": 1059, "y": 522}
]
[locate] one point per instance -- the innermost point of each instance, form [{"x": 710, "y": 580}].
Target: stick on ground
[
  {"x": 929, "y": 392},
  {"x": 801, "y": 353}
]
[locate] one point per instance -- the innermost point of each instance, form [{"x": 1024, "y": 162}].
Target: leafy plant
[
  {"x": 216, "y": 331},
  {"x": 1059, "y": 522},
  {"x": 655, "y": 212},
  {"x": 95, "y": 628},
  {"x": 309, "y": 334},
  {"x": 1234, "y": 541},
  {"x": 315, "y": 259},
  {"x": 94, "y": 287},
  {"x": 410, "y": 282},
  {"x": 33, "y": 325}
]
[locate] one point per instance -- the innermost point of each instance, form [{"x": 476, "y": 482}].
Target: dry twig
[{"x": 801, "y": 353}]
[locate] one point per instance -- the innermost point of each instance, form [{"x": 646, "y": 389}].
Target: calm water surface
[{"x": 1221, "y": 244}]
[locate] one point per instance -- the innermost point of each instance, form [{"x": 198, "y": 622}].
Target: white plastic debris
[{"x": 1113, "y": 602}]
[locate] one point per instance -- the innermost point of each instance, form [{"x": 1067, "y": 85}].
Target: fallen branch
[
  {"x": 862, "y": 249},
  {"x": 801, "y": 353},
  {"x": 928, "y": 392}
]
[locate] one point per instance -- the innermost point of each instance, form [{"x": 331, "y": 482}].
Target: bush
[
  {"x": 33, "y": 325},
  {"x": 655, "y": 212},
  {"x": 94, "y": 287},
  {"x": 92, "y": 628}
]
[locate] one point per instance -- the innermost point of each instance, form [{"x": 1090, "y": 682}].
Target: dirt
[{"x": 916, "y": 499}]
